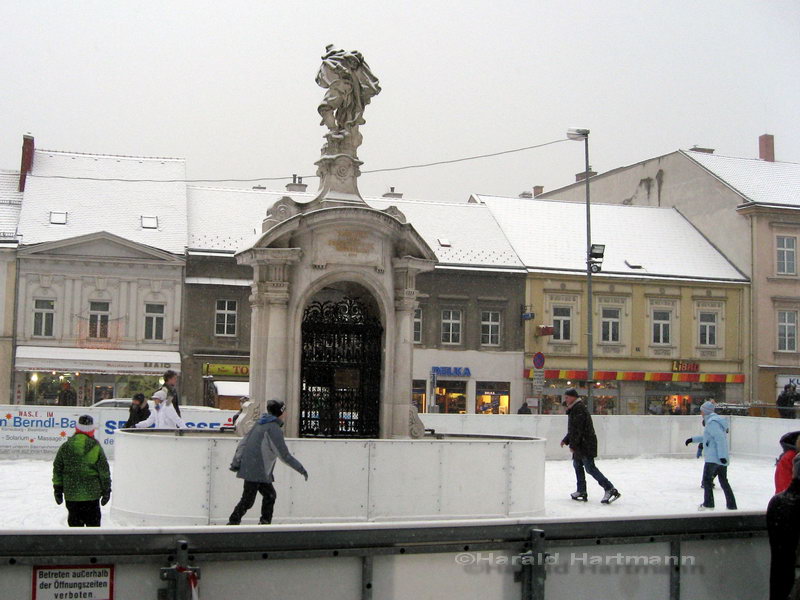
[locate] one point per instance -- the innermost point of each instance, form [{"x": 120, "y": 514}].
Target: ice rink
[{"x": 649, "y": 486}]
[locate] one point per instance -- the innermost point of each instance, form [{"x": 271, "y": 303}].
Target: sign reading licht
[{"x": 95, "y": 582}]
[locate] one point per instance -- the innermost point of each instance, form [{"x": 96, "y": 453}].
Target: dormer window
[
  {"x": 149, "y": 222},
  {"x": 58, "y": 218}
]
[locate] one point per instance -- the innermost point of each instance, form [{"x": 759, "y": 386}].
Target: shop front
[{"x": 82, "y": 376}]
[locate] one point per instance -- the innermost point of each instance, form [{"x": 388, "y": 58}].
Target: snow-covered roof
[
  {"x": 105, "y": 193},
  {"x": 550, "y": 235},
  {"x": 758, "y": 181},
  {"x": 10, "y": 204}
]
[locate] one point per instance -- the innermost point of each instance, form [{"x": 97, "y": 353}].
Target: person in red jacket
[{"x": 783, "y": 468}]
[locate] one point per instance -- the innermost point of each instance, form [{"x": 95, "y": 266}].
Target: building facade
[{"x": 10, "y": 205}]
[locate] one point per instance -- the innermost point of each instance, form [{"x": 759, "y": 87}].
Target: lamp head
[{"x": 577, "y": 134}]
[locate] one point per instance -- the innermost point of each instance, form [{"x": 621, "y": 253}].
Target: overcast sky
[{"x": 230, "y": 85}]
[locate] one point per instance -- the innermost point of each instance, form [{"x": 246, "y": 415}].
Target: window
[
  {"x": 225, "y": 322},
  {"x": 451, "y": 326},
  {"x": 661, "y": 322},
  {"x": 787, "y": 330},
  {"x": 562, "y": 323},
  {"x": 149, "y": 222},
  {"x": 610, "y": 325},
  {"x": 708, "y": 329},
  {"x": 154, "y": 321},
  {"x": 490, "y": 328},
  {"x": 417, "y": 325},
  {"x": 43, "y": 313},
  {"x": 787, "y": 255},
  {"x": 98, "y": 319}
]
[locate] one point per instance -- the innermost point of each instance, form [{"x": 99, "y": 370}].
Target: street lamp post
[{"x": 578, "y": 134}]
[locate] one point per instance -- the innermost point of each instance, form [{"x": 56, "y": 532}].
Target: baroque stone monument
[{"x": 334, "y": 287}]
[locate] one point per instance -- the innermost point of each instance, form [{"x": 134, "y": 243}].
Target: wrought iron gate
[{"x": 340, "y": 370}]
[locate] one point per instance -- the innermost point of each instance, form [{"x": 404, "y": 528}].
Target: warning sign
[{"x": 95, "y": 582}]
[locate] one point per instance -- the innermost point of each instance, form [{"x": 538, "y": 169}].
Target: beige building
[
  {"x": 750, "y": 210},
  {"x": 10, "y": 204},
  {"x": 669, "y": 311}
]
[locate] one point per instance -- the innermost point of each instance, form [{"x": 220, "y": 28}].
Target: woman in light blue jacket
[{"x": 715, "y": 450}]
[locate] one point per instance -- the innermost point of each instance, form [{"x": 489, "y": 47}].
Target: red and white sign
[{"x": 95, "y": 582}]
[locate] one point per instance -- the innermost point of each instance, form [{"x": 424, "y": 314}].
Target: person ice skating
[
  {"x": 163, "y": 415},
  {"x": 582, "y": 441},
  {"x": 715, "y": 451},
  {"x": 81, "y": 475},
  {"x": 138, "y": 412},
  {"x": 170, "y": 389},
  {"x": 254, "y": 461},
  {"x": 783, "y": 528},
  {"x": 786, "y": 400},
  {"x": 783, "y": 467}
]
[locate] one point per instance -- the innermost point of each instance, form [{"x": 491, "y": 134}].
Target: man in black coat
[
  {"x": 783, "y": 527},
  {"x": 786, "y": 400},
  {"x": 139, "y": 411},
  {"x": 582, "y": 440}
]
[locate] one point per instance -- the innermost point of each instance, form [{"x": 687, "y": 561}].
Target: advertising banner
[{"x": 36, "y": 431}]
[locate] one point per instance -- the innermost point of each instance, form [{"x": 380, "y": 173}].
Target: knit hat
[
  {"x": 572, "y": 392},
  {"x": 707, "y": 407},
  {"x": 85, "y": 424},
  {"x": 276, "y": 407}
]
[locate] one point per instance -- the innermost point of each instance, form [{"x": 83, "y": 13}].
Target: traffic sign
[{"x": 538, "y": 360}]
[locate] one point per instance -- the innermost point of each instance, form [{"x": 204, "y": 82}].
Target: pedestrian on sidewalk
[
  {"x": 715, "y": 452},
  {"x": 81, "y": 475},
  {"x": 582, "y": 441},
  {"x": 254, "y": 461}
]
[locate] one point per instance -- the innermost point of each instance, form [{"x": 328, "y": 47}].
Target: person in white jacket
[{"x": 163, "y": 413}]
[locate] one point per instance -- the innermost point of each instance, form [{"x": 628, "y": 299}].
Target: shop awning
[
  {"x": 94, "y": 360},
  {"x": 641, "y": 376},
  {"x": 233, "y": 388}
]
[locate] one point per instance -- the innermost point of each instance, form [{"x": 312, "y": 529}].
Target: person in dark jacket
[
  {"x": 582, "y": 441},
  {"x": 783, "y": 466},
  {"x": 81, "y": 475},
  {"x": 783, "y": 527},
  {"x": 524, "y": 409},
  {"x": 786, "y": 400},
  {"x": 254, "y": 461},
  {"x": 139, "y": 411}
]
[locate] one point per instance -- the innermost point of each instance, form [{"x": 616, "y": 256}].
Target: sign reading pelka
[{"x": 95, "y": 582}]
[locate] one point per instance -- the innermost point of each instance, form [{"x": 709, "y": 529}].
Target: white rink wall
[{"x": 349, "y": 480}]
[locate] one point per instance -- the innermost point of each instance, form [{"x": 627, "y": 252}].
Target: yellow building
[{"x": 670, "y": 313}]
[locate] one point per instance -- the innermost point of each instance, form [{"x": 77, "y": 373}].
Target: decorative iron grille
[{"x": 340, "y": 370}]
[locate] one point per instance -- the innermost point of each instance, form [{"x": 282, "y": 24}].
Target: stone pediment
[{"x": 101, "y": 245}]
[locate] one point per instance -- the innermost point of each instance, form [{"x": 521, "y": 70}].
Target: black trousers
[
  {"x": 710, "y": 471},
  {"x": 83, "y": 513},
  {"x": 267, "y": 491}
]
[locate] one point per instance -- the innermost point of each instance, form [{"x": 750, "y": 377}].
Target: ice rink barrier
[{"x": 183, "y": 478}]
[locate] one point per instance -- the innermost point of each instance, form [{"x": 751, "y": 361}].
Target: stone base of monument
[{"x": 182, "y": 478}]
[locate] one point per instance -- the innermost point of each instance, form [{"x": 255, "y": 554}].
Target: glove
[
  {"x": 699, "y": 449},
  {"x": 105, "y": 497},
  {"x": 58, "y": 492},
  {"x": 724, "y": 461},
  {"x": 305, "y": 474},
  {"x": 688, "y": 441}
]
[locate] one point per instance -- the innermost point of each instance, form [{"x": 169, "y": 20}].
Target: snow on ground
[{"x": 649, "y": 486}]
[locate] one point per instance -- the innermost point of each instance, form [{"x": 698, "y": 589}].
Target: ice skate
[
  {"x": 610, "y": 496},
  {"x": 579, "y": 496}
]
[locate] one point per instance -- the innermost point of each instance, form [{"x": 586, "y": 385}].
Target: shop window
[
  {"x": 98, "y": 319},
  {"x": 661, "y": 326},
  {"x": 490, "y": 328},
  {"x": 787, "y": 255},
  {"x": 225, "y": 318},
  {"x": 417, "y": 325},
  {"x": 451, "y": 397},
  {"x": 681, "y": 398},
  {"x": 419, "y": 394},
  {"x": 562, "y": 323},
  {"x": 43, "y": 314},
  {"x": 154, "y": 321},
  {"x": 610, "y": 318},
  {"x": 787, "y": 331},
  {"x": 708, "y": 328},
  {"x": 492, "y": 397},
  {"x": 451, "y": 326}
]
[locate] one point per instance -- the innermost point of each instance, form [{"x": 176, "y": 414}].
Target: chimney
[
  {"x": 538, "y": 190},
  {"x": 697, "y": 148},
  {"x": 766, "y": 147},
  {"x": 582, "y": 175},
  {"x": 392, "y": 194},
  {"x": 297, "y": 185},
  {"x": 27, "y": 160}
]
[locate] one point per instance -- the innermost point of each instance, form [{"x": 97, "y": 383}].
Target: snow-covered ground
[{"x": 649, "y": 486}]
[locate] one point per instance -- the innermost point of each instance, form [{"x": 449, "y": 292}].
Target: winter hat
[
  {"x": 707, "y": 407},
  {"x": 276, "y": 407},
  {"x": 85, "y": 424},
  {"x": 572, "y": 392}
]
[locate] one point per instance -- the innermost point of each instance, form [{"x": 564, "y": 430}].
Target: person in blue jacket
[{"x": 715, "y": 451}]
